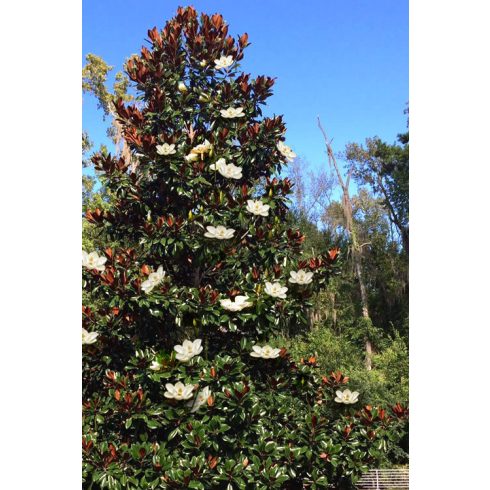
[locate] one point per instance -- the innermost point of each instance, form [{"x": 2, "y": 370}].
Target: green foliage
[
  {"x": 384, "y": 266},
  {"x": 386, "y": 383},
  {"x": 94, "y": 79},
  {"x": 267, "y": 422},
  {"x": 385, "y": 169}
]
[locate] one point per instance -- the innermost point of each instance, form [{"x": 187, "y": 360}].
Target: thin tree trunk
[
  {"x": 356, "y": 249},
  {"x": 365, "y": 309}
]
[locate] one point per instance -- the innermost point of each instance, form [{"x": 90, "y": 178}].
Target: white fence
[{"x": 385, "y": 479}]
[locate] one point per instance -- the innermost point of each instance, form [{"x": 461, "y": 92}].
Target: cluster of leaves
[
  {"x": 385, "y": 169},
  {"x": 269, "y": 423},
  {"x": 162, "y": 207},
  {"x": 339, "y": 330},
  {"x": 386, "y": 383}
]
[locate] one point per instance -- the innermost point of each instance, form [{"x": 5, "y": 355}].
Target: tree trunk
[
  {"x": 364, "y": 305},
  {"x": 356, "y": 249},
  {"x": 403, "y": 230},
  {"x": 334, "y": 311}
]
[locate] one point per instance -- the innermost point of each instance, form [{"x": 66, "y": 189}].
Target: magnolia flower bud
[{"x": 182, "y": 87}]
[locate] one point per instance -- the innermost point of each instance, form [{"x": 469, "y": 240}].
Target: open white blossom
[
  {"x": 202, "y": 149},
  {"x": 229, "y": 170},
  {"x": 219, "y": 232},
  {"x": 301, "y": 277},
  {"x": 191, "y": 157},
  {"x": 182, "y": 87},
  {"x": 201, "y": 399},
  {"x": 346, "y": 397},
  {"x": 89, "y": 337},
  {"x": 154, "y": 279},
  {"x": 188, "y": 350},
  {"x": 93, "y": 261},
  {"x": 178, "y": 391},
  {"x": 232, "y": 112},
  {"x": 155, "y": 366},
  {"x": 286, "y": 151},
  {"x": 223, "y": 62},
  {"x": 275, "y": 290},
  {"x": 239, "y": 304},
  {"x": 166, "y": 149},
  {"x": 266, "y": 352},
  {"x": 257, "y": 207}
]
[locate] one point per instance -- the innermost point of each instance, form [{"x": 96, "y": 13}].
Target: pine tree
[{"x": 181, "y": 388}]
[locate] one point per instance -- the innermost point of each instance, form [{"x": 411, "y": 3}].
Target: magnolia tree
[{"x": 181, "y": 385}]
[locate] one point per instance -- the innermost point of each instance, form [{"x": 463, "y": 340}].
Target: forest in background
[{"x": 359, "y": 322}]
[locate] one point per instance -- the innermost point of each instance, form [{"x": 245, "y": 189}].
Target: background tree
[
  {"x": 335, "y": 330},
  {"x": 385, "y": 169},
  {"x": 356, "y": 247}
]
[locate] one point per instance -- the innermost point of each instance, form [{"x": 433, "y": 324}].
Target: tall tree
[
  {"x": 181, "y": 388},
  {"x": 356, "y": 245},
  {"x": 384, "y": 263},
  {"x": 385, "y": 168},
  {"x": 94, "y": 81}
]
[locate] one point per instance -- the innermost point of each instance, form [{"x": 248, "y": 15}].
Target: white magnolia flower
[
  {"x": 257, "y": 207},
  {"x": 188, "y": 350},
  {"x": 286, "y": 151},
  {"x": 178, "y": 391},
  {"x": 266, "y": 352},
  {"x": 191, "y": 157},
  {"x": 275, "y": 290},
  {"x": 93, "y": 261},
  {"x": 201, "y": 399},
  {"x": 202, "y": 148},
  {"x": 182, "y": 87},
  {"x": 89, "y": 337},
  {"x": 346, "y": 397},
  {"x": 155, "y": 366},
  {"x": 154, "y": 279},
  {"x": 223, "y": 62},
  {"x": 219, "y": 232},
  {"x": 239, "y": 304},
  {"x": 166, "y": 149},
  {"x": 232, "y": 112},
  {"x": 301, "y": 277},
  {"x": 229, "y": 170}
]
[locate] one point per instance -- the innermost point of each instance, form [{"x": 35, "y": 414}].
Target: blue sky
[{"x": 345, "y": 60}]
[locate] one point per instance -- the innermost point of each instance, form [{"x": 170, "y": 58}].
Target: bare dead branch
[{"x": 356, "y": 249}]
